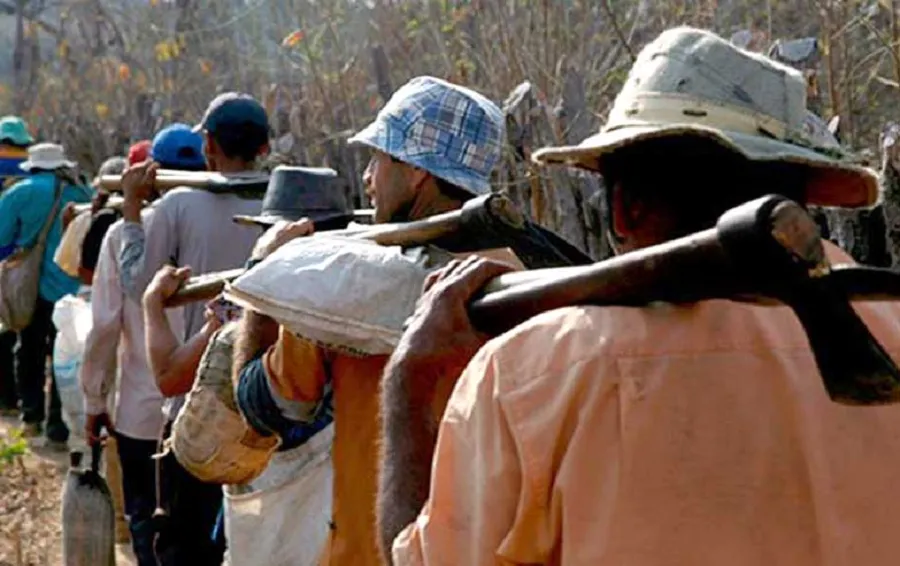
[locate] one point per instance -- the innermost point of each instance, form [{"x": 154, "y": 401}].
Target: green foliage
[{"x": 12, "y": 447}]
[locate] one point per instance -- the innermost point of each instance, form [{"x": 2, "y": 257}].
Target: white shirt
[{"x": 117, "y": 340}]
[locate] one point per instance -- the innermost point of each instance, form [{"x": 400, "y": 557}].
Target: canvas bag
[
  {"x": 282, "y": 517},
  {"x": 20, "y": 275}
]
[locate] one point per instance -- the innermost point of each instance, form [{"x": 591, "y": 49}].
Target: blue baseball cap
[
  {"x": 233, "y": 110},
  {"x": 178, "y": 147},
  {"x": 450, "y": 131}
]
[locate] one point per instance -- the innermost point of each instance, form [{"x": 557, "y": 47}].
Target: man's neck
[
  {"x": 233, "y": 166},
  {"x": 432, "y": 205}
]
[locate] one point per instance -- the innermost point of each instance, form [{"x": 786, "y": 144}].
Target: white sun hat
[{"x": 49, "y": 156}]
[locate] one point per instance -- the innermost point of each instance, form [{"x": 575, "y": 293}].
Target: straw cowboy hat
[
  {"x": 47, "y": 156},
  {"x": 692, "y": 82}
]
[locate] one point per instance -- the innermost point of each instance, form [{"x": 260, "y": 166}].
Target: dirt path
[{"x": 30, "y": 532}]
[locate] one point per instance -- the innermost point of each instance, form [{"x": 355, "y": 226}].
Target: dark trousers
[
  {"x": 139, "y": 490},
  {"x": 185, "y": 533},
  {"x": 35, "y": 344},
  {"x": 8, "y": 397}
]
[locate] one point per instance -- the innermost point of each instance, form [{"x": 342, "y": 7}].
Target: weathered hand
[
  {"x": 92, "y": 426},
  {"x": 137, "y": 186},
  {"x": 440, "y": 340},
  {"x": 165, "y": 283},
  {"x": 280, "y": 234}
]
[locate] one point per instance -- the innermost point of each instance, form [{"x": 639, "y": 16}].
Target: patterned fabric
[
  {"x": 131, "y": 255},
  {"x": 450, "y": 131}
]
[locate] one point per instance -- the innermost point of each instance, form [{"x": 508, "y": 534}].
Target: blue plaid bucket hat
[{"x": 450, "y": 131}]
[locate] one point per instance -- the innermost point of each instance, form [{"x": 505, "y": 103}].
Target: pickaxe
[{"x": 769, "y": 251}]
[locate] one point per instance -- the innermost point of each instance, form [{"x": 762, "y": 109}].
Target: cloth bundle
[
  {"x": 68, "y": 254},
  {"x": 343, "y": 293}
]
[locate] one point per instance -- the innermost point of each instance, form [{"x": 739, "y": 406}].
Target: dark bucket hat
[{"x": 297, "y": 192}]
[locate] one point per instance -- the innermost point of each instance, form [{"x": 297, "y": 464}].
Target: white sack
[
  {"x": 281, "y": 518},
  {"x": 344, "y": 293},
  {"x": 73, "y": 321}
]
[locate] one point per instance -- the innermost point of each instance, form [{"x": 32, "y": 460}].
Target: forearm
[
  {"x": 409, "y": 435},
  {"x": 173, "y": 364},
  {"x": 256, "y": 334},
  {"x": 98, "y": 370}
]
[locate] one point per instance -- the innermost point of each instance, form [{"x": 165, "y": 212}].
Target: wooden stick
[
  {"x": 406, "y": 234},
  {"x": 169, "y": 179}
]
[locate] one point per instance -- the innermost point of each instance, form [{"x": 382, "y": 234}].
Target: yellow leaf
[
  {"x": 102, "y": 110},
  {"x": 124, "y": 72},
  {"x": 293, "y": 39}
]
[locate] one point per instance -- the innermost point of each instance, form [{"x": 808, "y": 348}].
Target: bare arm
[
  {"x": 173, "y": 364},
  {"x": 256, "y": 334},
  {"x": 409, "y": 434},
  {"x": 436, "y": 347}
]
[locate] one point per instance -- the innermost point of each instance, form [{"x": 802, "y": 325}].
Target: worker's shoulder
[
  {"x": 196, "y": 199},
  {"x": 552, "y": 342}
]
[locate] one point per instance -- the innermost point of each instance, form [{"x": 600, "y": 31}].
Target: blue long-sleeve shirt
[
  {"x": 259, "y": 406},
  {"x": 23, "y": 209}
]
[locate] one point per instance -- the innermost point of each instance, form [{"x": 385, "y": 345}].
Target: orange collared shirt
[{"x": 676, "y": 435}]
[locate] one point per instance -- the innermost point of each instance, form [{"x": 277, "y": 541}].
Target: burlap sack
[{"x": 209, "y": 437}]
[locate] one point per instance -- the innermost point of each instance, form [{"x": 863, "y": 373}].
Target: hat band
[{"x": 658, "y": 109}]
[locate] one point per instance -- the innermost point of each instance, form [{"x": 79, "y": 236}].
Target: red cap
[{"x": 139, "y": 152}]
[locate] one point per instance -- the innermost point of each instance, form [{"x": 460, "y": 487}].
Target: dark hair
[
  {"x": 446, "y": 188},
  {"x": 242, "y": 141},
  {"x": 9, "y": 142},
  {"x": 695, "y": 180},
  {"x": 450, "y": 190}
]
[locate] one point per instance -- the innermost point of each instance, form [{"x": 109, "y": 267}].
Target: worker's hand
[
  {"x": 137, "y": 186},
  {"x": 93, "y": 424},
  {"x": 439, "y": 339},
  {"x": 164, "y": 284},
  {"x": 280, "y": 234}
]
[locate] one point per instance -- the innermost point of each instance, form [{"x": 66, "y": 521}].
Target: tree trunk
[{"x": 18, "y": 59}]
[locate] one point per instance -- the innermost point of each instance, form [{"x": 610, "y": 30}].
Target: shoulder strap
[{"x": 57, "y": 199}]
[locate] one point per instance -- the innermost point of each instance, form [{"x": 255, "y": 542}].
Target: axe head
[{"x": 776, "y": 245}]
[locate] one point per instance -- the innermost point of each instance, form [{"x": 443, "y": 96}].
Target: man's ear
[{"x": 264, "y": 150}]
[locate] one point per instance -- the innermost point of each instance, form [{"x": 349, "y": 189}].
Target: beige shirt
[
  {"x": 116, "y": 341},
  {"x": 675, "y": 435}
]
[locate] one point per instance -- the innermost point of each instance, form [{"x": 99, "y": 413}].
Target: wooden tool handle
[
  {"x": 405, "y": 234},
  {"x": 203, "y": 288}
]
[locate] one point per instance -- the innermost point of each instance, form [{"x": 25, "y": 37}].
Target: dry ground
[{"x": 30, "y": 508}]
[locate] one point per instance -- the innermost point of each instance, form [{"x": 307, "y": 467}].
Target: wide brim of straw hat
[{"x": 832, "y": 182}]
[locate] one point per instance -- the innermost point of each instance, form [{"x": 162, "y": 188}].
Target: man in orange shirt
[
  {"x": 434, "y": 145},
  {"x": 669, "y": 434}
]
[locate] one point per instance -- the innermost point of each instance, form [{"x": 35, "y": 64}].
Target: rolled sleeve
[
  {"x": 285, "y": 391},
  {"x": 270, "y": 414},
  {"x": 147, "y": 247},
  {"x": 476, "y": 480}
]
